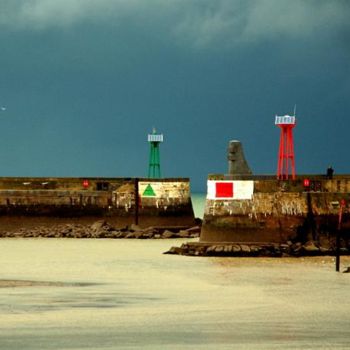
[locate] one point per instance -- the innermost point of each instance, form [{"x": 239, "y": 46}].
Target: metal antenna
[{"x": 295, "y": 109}]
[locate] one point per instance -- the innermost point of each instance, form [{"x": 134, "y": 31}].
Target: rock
[
  {"x": 219, "y": 249},
  {"x": 191, "y": 251},
  {"x": 183, "y": 234},
  {"x": 130, "y": 235},
  {"x": 200, "y": 251},
  {"x": 34, "y": 233},
  {"x": 325, "y": 250},
  {"x": 311, "y": 247},
  {"x": 116, "y": 234},
  {"x": 194, "y": 229},
  {"x": 211, "y": 249},
  {"x": 236, "y": 248},
  {"x": 102, "y": 234},
  {"x": 228, "y": 249},
  {"x": 18, "y": 234},
  {"x": 325, "y": 242},
  {"x": 93, "y": 235},
  {"x": 276, "y": 251},
  {"x": 168, "y": 234},
  {"x": 285, "y": 248},
  {"x": 254, "y": 249},
  {"x": 245, "y": 248},
  {"x": 296, "y": 248},
  {"x": 147, "y": 235},
  {"x": 139, "y": 234},
  {"x": 86, "y": 234},
  {"x": 136, "y": 228},
  {"x": 96, "y": 226},
  {"x": 175, "y": 250},
  {"x": 150, "y": 232}
]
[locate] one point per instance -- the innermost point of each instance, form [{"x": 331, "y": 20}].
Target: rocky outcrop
[
  {"x": 310, "y": 248},
  {"x": 103, "y": 229}
]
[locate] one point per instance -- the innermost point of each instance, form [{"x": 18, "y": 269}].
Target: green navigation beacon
[{"x": 154, "y": 140}]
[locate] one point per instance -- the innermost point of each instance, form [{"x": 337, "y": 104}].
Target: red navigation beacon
[
  {"x": 286, "y": 163},
  {"x": 306, "y": 183},
  {"x": 86, "y": 183}
]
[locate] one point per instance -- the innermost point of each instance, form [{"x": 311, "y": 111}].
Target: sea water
[
  {"x": 198, "y": 203},
  {"x": 125, "y": 294}
]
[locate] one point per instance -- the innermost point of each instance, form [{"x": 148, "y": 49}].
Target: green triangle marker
[{"x": 149, "y": 192}]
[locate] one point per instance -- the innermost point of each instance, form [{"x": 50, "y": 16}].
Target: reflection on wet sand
[
  {"x": 24, "y": 283},
  {"x": 127, "y": 294}
]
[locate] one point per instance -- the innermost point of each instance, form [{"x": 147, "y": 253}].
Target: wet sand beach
[{"x": 107, "y": 294}]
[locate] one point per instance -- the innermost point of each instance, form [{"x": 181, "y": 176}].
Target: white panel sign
[
  {"x": 164, "y": 189},
  {"x": 230, "y": 190}
]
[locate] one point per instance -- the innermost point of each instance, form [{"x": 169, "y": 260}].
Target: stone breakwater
[
  {"x": 261, "y": 208},
  {"x": 297, "y": 249},
  {"x": 102, "y": 229}
]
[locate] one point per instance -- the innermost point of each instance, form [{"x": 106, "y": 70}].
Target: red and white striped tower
[{"x": 286, "y": 163}]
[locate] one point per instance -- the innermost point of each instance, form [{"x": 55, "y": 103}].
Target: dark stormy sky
[{"x": 84, "y": 81}]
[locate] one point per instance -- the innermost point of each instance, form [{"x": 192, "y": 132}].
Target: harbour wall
[
  {"x": 122, "y": 200},
  {"x": 264, "y": 209}
]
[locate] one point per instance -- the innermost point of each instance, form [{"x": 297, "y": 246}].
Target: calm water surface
[
  {"x": 126, "y": 294},
  {"x": 198, "y": 202}
]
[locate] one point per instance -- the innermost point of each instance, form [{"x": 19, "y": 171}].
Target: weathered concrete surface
[
  {"x": 237, "y": 164},
  {"x": 279, "y": 211},
  {"x": 168, "y": 203}
]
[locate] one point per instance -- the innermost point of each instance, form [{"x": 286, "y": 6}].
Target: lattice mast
[
  {"x": 154, "y": 140},
  {"x": 286, "y": 159}
]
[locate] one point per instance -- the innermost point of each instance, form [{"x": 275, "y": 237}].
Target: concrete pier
[{"x": 158, "y": 202}]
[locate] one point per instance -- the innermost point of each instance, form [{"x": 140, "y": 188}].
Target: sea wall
[
  {"x": 125, "y": 200},
  {"x": 264, "y": 209}
]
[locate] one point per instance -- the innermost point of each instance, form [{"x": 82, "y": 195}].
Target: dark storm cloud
[{"x": 88, "y": 79}]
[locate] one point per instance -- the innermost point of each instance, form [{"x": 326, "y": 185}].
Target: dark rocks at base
[
  {"x": 102, "y": 229},
  {"x": 288, "y": 249},
  {"x": 168, "y": 234}
]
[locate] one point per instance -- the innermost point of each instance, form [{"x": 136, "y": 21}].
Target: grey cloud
[
  {"x": 43, "y": 14},
  {"x": 295, "y": 18},
  {"x": 240, "y": 22},
  {"x": 198, "y": 23}
]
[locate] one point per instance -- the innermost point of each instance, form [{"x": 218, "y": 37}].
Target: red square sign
[{"x": 224, "y": 189}]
